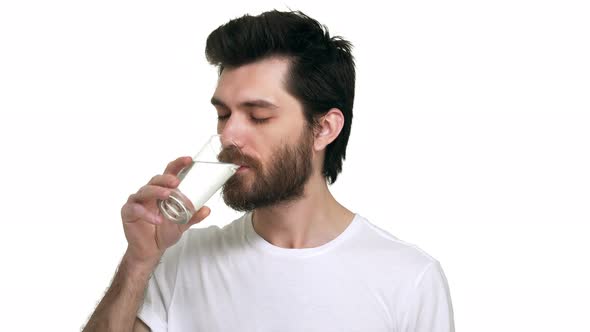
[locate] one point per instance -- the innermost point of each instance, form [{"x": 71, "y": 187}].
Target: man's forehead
[
  {"x": 260, "y": 83},
  {"x": 270, "y": 70}
]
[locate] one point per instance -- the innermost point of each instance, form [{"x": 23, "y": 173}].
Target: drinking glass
[{"x": 198, "y": 181}]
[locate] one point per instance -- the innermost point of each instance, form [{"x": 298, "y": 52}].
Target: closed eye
[
  {"x": 259, "y": 121},
  {"x": 253, "y": 119}
]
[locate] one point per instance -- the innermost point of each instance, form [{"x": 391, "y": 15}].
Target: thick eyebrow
[
  {"x": 259, "y": 103},
  {"x": 217, "y": 102}
]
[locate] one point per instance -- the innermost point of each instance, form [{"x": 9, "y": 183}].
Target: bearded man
[{"x": 297, "y": 260}]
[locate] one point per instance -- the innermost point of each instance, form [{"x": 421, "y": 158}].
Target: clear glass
[{"x": 198, "y": 182}]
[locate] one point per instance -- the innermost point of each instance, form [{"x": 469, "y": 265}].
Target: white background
[{"x": 471, "y": 139}]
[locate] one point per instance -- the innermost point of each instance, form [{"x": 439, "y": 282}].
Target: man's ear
[{"x": 328, "y": 128}]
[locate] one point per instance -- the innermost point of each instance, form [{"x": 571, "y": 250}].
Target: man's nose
[{"x": 233, "y": 132}]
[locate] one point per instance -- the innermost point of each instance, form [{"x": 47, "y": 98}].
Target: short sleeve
[
  {"x": 160, "y": 289},
  {"x": 153, "y": 310},
  {"x": 429, "y": 307}
]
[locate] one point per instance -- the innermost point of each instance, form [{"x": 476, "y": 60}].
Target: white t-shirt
[{"x": 231, "y": 279}]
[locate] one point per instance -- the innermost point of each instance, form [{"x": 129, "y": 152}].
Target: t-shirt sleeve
[
  {"x": 429, "y": 307},
  {"x": 153, "y": 310},
  {"x": 160, "y": 289}
]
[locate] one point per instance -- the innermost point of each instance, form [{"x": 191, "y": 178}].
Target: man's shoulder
[{"x": 383, "y": 244}]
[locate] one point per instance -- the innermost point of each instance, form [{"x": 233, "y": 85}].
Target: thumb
[{"x": 201, "y": 214}]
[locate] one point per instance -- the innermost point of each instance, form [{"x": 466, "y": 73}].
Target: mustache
[{"x": 235, "y": 156}]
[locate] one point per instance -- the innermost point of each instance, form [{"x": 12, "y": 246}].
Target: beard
[{"x": 282, "y": 181}]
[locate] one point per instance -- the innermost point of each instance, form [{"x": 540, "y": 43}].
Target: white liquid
[{"x": 202, "y": 179}]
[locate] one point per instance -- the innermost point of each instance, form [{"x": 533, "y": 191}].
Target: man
[{"x": 297, "y": 260}]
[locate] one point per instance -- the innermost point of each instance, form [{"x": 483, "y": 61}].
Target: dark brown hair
[{"x": 321, "y": 72}]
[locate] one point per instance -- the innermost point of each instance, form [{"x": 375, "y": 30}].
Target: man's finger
[
  {"x": 149, "y": 192},
  {"x": 132, "y": 212},
  {"x": 166, "y": 180},
  {"x": 197, "y": 217},
  {"x": 175, "y": 166}
]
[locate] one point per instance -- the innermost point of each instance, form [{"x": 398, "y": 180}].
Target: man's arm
[
  {"x": 118, "y": 309},
  {"x": 140, "y": 326},
  {"x": 148, "y": 236}
]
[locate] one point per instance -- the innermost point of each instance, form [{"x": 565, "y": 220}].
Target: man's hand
[{"x": 148, "y": 233}]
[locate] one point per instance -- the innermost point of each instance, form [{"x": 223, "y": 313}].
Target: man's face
[{"x": 268, "y": 125}]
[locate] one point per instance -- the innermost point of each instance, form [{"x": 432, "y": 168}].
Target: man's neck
[{"x": 311, "y": 221}]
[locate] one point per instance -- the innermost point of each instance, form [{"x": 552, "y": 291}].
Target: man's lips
[{"x": 243, "y": 168}]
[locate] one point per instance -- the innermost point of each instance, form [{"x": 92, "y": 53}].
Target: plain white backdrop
[{"x": 471, "y": 139}]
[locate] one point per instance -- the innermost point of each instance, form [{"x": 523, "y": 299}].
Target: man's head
[{"x": 285, "y": 96}]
